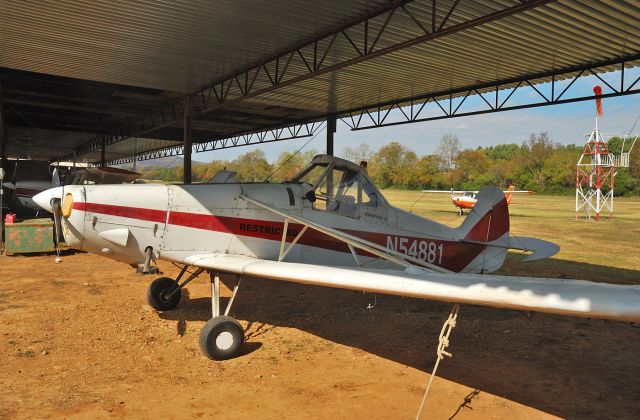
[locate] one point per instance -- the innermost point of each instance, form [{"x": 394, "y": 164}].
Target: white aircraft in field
[
  {"x": 465, "y": 200},
  {"x": 327, "y": 226}
]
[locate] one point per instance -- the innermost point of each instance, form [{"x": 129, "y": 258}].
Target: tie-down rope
[{"x": 443, "y": 343}]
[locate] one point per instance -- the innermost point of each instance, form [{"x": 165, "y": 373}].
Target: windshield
[{"x": 311, "y": 175}]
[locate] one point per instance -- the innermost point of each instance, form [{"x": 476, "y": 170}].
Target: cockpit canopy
[{"x": 340, "y": 186}]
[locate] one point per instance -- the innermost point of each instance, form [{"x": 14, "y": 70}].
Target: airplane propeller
[
  {"x": 57, "y": 224},
  {"x": 13, "y": 182}
]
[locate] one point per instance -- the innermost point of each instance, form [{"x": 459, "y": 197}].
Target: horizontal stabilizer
[{"x": 540, "y": 249}]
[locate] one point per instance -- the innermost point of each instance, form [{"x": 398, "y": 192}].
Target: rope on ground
[{"x": 443, "y": 343}]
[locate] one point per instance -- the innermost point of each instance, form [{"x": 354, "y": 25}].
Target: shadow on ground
[{"x": 569, "y": 367}]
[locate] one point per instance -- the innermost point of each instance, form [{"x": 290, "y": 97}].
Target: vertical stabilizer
[
  {"x": 508, "y": 195},
  {"x": 487, "y": 223}
]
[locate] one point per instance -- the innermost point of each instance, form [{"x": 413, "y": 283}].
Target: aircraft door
[{"x": 373, "y": 206}]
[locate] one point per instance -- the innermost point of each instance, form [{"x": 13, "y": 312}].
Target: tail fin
[
  {"x": 488, "y": 224},
  {"x": 508, "y": 196},
  {"x": 489, "y": 218}
]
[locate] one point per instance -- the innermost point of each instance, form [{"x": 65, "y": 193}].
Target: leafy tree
[
  {"x": 287, "y": 165},
  {"x": 503, "y": 151},
  {"x": 427, "y": 171},
  {"x": 559, "y": 169},
  {"x": 536, "y": 151},
  {"x": 472, "y": 165},
  {"x": 538, "y": 164},
  {"x": 388, "y": 164},
  {"x": 251, "y": 167}
]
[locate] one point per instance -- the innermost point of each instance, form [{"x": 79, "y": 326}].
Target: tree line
[{"x": 538, "y": 164}]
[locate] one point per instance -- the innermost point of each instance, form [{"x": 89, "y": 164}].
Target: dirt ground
[{"x": 78, "y": 340}]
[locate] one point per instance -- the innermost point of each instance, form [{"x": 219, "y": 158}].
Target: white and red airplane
[
  {"x": 327, "y": 226},
  {"x": 465, "y": 200}
]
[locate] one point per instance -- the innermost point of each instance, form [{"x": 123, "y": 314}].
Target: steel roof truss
[
  {"x": 310, "y": 61},
  {"x": 411, "y": 109}
]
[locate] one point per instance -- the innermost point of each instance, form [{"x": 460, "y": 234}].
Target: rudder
[
  {"x": 508, "y": 195},
  {"x": 487, "y": 223}
]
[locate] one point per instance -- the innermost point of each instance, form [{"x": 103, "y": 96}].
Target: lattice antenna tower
[{"x": 595, "y": 173}]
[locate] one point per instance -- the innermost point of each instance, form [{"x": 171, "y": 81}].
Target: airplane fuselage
[
  {"x": 463, "y": 202},
  {"x": 178, "y": 221}
]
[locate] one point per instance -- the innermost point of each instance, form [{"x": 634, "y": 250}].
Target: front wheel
[
  {"x": 160, "y": 296},
  {"x": 221, "y": 338}
]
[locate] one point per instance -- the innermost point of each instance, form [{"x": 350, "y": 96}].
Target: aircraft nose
[{"x": 43, "y": 199}]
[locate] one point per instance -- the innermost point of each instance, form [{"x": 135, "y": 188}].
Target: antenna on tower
[
  {"x": 595, "y": 172},
  {"x": 621, "y": 160}
]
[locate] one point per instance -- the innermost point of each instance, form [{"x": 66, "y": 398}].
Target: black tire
[
  {"x": 221, "y": 338},
  {"x": 158, "y": 289}
]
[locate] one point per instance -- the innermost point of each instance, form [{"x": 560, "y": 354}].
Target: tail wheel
[
  {"x": 160, "y": 296},
  {"x": 221, "y": 338}
]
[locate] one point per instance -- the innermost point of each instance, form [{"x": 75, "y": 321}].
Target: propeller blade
[
  {"x": 13, "y": 181},
  {"x": 57, "y": 222},
  {"x": 55, "y": 179}
]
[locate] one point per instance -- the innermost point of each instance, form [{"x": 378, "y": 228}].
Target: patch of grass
[{"x": 586, "y": 246}]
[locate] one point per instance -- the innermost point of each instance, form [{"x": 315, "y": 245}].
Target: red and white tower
[{"x": 595, "y": 173}]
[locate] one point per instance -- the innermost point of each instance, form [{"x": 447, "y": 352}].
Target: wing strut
[
  {"x": 443, "y": 343},
  {"x": 283, "y": 251}
]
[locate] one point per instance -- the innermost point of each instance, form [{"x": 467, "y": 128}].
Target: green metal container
[{"x": 34, "y": 235}]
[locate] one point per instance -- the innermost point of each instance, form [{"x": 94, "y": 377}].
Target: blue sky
[{"x": 567, "y": 123}]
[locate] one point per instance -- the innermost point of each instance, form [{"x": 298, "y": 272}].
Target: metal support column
[
  {"x": 187, "y": 141},
  {"x": 331, "y": 129},
  {"x": 3, "y": 135},
  {"x": 215, "y": 294},
  {"x": 103, "y": 153},
  {"x": 135, "y": 153},
  {"x": 3, "y": 163}
]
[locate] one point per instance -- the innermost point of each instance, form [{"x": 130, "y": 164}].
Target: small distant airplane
[
  {"x": 465, "y": 200},
  {"x": 328, "y": 226},
  {"x": 21, "y": 192}
]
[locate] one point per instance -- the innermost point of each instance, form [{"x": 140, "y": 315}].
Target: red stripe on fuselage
[
  {"x": 456, "y": 256},
  {"x": 235, "y": 225},
  {"x": 151, "y": 215}
]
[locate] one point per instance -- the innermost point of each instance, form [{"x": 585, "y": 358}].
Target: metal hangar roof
[{"x": 85, "y": 76}]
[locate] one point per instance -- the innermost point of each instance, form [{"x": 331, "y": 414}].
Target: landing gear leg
[{"x": 222, "y": 337}]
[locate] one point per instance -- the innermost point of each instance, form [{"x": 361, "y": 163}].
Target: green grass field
[{"x": 602, "y": 251}]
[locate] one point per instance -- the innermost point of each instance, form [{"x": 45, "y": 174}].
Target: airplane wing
[
  {"x": 552, "y": 295},
  {"x": 475, "y": 192},
  {"x": 446, "y": 191},
  {"x": 108, "y": 175}
]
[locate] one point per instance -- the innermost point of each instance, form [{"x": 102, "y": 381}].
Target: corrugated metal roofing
[
  {"x": 164, "y": 45},
  {"x": 89, "y": 66}
]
